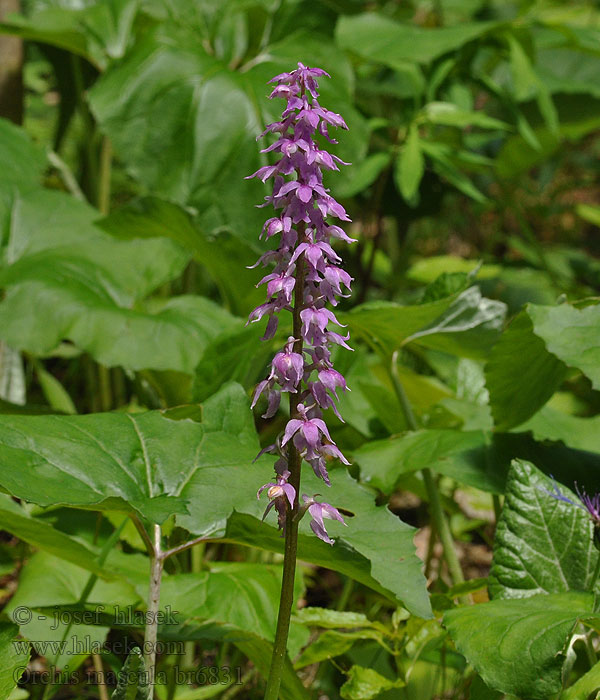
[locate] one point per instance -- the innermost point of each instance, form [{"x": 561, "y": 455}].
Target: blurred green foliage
[{"x": 126, "y": 229}]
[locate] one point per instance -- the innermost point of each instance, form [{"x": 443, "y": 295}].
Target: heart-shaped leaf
[
  {"x": 161, "y": 463},
  {"x": 519, "y": 646},
  {"x": 542, "y": 544}
]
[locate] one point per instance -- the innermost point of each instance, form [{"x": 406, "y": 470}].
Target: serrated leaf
[
  {"x": 518, "y": 646},
  {"x": 365, "y": 684},
  {"x": 542, "y": 544},
  {"x": 521, "y": 375},
  {"x": 157, "y": 466}
]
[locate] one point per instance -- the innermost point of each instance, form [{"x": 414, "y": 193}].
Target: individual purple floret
[
  {"x": 319, "y": 511},
  {"x": 278, "y": 492},
  {"x": 591, "y": 504},
  {"x": 307, "y": 276}
]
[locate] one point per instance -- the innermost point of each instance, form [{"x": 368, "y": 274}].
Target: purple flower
[
  {"x": 303, "y": 367},
  {"x": 318, "y": 512},
  {"x": 278, "y": 492},
  {"x": 591, "y": 504}
]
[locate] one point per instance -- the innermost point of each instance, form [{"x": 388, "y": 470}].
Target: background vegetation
[{"x": 126, "y": 227}]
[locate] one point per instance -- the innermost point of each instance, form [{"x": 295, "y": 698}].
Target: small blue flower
[{"x": 591, "y": 504}]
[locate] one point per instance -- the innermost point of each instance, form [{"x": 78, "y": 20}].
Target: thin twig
[
  {"x": 143, "y": 534},
  {"x": 67, "y": 175},
  {"x": 186, "y": 545}
]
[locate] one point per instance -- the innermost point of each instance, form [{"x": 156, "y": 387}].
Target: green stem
[
  {"x": 435, "y": 502},
  {"x": 345, "y": 594},
  {"x": 104, "y": 176},
  {"x": 595, "y": 574},
  {"x": 291, "y": 526},
  {"x": 497, "y": 506}
]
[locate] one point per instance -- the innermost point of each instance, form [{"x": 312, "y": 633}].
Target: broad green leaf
[
  {"x": 199, "y": 151},
  {"x": 328, "y": 645},
  {"x": 445, "y": 164},
  {"x": 448, "y": 114},
  {"x": 158, "y": 466},
  {"x": 144, "y": 462},
  {"x": 474, "y": 457},
  {"x": 224, "y": 256},
  {"x": 450, "y": 452},
  {"x": 551, "y": 424},
  {"x": 583, "y": 687},
  {"x": 365, "y": 683},
  {"x": 572, "y": 335},
  {"x": 464, "y": 323},
  {"x": 428, "y": 269},
  {"x": 519, "y": 646},
  {"x": 521, "y": 375},
  {"x": 49, "y": 582},
  {"x": 14, "y": 656},
  {"x": 383, "y": 40},
  {"x": 375, "y": 548},
  {"x": 542, "y": 545},
  {"x": 238, "y": 355},
  {"x": 132, "y": 683},
  {"x": 89, "y": 288},
  {"x": 410, "y": 166},
  {"x": 242, "y": 598},
  {"x": 332, "y": 619},
  {"x": 39, "y": 533},
  {"x": 478, "y": 690},
  {"x": 468, "y": 328},
  {"x": 96, "y": 32},
  {"x": 23, "y": 162}
]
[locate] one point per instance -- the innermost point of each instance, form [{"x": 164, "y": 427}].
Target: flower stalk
[{"x": 305, "y": 279}]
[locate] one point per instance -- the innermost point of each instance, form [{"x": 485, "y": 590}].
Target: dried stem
[{"x": 151, "y": 631}]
